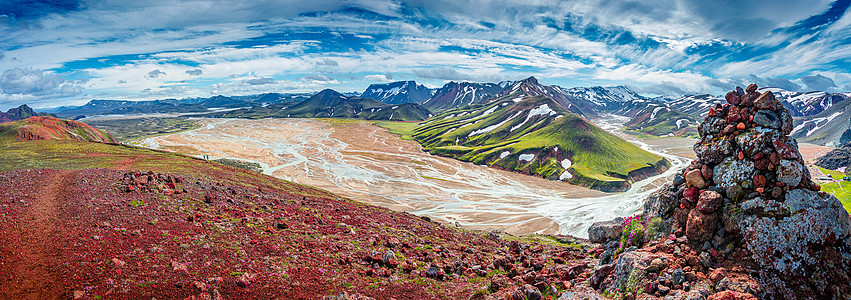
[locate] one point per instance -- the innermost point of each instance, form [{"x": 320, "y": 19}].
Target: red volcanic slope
[
  {"x": 98, "y": 233},
  {"x": 50, "y": 128}
]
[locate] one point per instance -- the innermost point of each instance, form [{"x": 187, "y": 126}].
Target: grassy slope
[
  {"x": 840, "y": 189},
  {"x": 599, "y": 158},
  {"x": 403, "y": 129}
]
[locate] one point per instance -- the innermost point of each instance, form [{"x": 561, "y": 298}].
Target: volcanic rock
[
  {"x": 760, "y": 216},
  {"x": 766, "y": 118}
]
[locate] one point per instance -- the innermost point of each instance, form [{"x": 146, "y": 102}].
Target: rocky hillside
[
  {"x": 659, "y": 119},
  {"x": 695, "y": 105},
  {"x": 743, "y": 221},
  {"x": 533, "y": 134},
  {"x": 836, "y": 159},
  {"x": 50, "y": 128},
  {"x": 458, "y": 94},
  {"x": 98, "y": 221}
]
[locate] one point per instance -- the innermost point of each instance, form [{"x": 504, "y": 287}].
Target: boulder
[
  {"x": 695, "y": 178},
  {"x": 701, "y": 226},
  {"x": 755, "y": 140},
  {"x": 711, "y": 126},
  {"x": 604, "y": 231},
  {"x": 709, "y": 201}
]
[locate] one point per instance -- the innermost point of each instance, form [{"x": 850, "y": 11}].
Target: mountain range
[
  {"x": 820, "y": 117},
  {"x": 526, "y": 130}
]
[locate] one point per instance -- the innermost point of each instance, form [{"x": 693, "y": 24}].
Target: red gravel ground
[{"x": 220, "y": 232}]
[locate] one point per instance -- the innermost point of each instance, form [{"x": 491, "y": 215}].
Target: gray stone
[
  {"x": 660, "y": 203},
  {"x": 603, "y": 231},
  {"x": 790, "y": 172},
  {"x": 767, "y": 118},
  {"x": 731, "y": 172},
  {"x": 678, "y": 276},
  {"x": 711, "y": 150},
  {"x": 388, "y": 256},
  {"x": 764, "y": 207}
]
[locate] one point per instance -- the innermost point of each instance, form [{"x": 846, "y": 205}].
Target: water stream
[{"x": 376, "y": 167}]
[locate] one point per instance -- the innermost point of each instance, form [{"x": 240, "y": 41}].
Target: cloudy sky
[{"x": 66, "y": 52}]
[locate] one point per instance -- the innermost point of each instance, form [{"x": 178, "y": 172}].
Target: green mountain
[
  {"x": 536, "y": 135},
  {"x": 331, "y": 104}
]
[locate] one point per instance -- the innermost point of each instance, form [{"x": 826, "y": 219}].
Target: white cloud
[
  {"x": 378, "y": 78},
  {"x": 30, "y": 84}
]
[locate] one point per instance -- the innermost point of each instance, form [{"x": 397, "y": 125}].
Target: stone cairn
[{"x": 746, "y": 206}]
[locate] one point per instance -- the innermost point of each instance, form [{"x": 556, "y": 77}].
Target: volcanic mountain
[
  {"x": 50, "y": 128},
  {"x": 398, "y": 92},
  {"x": 19, "y": 113},
  {"x": 529, "y": 132}
]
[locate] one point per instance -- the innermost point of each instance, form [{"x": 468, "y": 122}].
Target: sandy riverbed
[{"x": 366, "y": 163}]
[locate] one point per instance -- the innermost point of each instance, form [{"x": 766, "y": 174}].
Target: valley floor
[{"x": 364, "y": 162}]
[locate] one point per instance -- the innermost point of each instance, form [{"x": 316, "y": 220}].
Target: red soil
[{"x": 82, "y": 234}]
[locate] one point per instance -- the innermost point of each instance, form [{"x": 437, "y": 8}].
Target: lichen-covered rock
[
  {"x": 660, "y": 203},
  {"x": 711, "y": 126},
  {"x": 604, "y": 231},
  {"x": 790, "y": 172},
  {"x": 709, "y": 201},
  {"x": 765, "y": 101},
  {"x": 753, "y": 141},
  {"x": 627, "y": 264},
  {"x": 711, "y": 150},
  {"x": 786, "y": 122},
  {"x": 731, "y": 172},
  {"x": 791, "y": 245},
  {"x": 764, "y": 207},
  {"x": 580, "y": 293}
]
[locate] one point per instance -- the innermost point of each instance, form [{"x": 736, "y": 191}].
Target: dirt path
[{"x": 35, "y": 247}]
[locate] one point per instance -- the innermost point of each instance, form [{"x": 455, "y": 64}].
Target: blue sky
[{"x": 66, "y": 52}]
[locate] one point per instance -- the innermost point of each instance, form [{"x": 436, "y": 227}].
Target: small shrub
[{"x": 633, "y": 233}]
